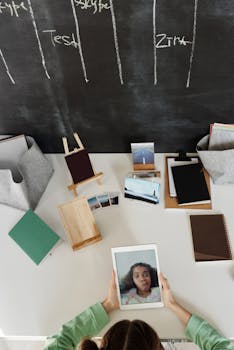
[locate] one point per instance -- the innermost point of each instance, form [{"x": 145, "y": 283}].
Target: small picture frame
[
  {"x": 137, "y": 276},
  {"x": 143, "y": 155}
]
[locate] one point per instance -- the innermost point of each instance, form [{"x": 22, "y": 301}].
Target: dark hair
[
  {"x": 87, "y": 344},
  {"x": 125, "y": 334},
  {"x": 127, "y": 281}
]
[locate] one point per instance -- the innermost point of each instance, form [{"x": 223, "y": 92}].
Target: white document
[{"x": 171, "y": 162}]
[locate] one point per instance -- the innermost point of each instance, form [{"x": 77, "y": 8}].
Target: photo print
[
  {"x": 137, "y": 271},
  {"x": 103, "y": 200},
  {"x": 94, "y": 203},
  {"x": 143, "y": 155},
  {"x": 144, "y": 190},
  {"x": 114, "y": 198}
]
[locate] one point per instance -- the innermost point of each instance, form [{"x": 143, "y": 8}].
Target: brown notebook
[{"x": 210, "y": 239}]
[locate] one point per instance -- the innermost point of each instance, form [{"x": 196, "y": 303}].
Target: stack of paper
[{"x": 221, "y": 136}]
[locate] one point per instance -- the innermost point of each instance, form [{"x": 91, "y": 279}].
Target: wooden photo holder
[
  {"x": 79, "y": 223},
  {"x": 144, "y": 167},
  {"x": 171, "y": 202},
  {"x": 79, "y": 165}
]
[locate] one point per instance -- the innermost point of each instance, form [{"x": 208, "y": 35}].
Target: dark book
[
  {"x": 190, "y": 184},
  {"x": 210, "y": 239},
  {"x": 79, "y": 165}
]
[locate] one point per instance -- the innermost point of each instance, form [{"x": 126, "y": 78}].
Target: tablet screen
[{"x": 137, "y": 276}]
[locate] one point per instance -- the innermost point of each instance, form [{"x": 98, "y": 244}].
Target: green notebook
[{"x": 34, "y": 236}]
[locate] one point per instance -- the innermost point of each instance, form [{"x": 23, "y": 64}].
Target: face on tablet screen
[{"x": 137, "y": 271}]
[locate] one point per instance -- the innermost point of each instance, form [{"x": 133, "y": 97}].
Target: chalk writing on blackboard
[
  {"x": 116, "y": 42},
  {"x": 164, "y": 41},
  {"x": 193, "y": 42},
  {"x": 12, "y": 8},
  {"x": 66, "y": 40},
  {"x": 79, "y": 41},
  {"x": 154, "y": 43},
  {"x": 160, "y": 40},
  {"x": 5, "y": 65},
  {"x": 95, "y": 5},
  {"x": 75, "y": 42},
  {"x": 38, "y": 39}
]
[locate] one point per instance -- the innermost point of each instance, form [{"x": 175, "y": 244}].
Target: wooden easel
[{"x": 94, "y": 177}]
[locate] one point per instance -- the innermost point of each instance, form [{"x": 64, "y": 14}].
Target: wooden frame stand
[
  {"x": 79, "y": 159},
  {"x": 79, "y": 223}
]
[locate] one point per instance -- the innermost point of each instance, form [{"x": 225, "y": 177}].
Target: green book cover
[{"x": 34, "y": 236}]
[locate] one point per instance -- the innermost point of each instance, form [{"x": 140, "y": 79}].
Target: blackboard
[{"x": 116, "y": 71}]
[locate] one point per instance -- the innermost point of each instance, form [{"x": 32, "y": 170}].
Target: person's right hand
[
  {"x": 168, "y": 299},
  {"x": 170, "y": 302},
  {"x": 111, "y": 302}
]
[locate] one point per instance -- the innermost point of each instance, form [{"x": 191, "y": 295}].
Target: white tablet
[{"x": 137, "y": 276}]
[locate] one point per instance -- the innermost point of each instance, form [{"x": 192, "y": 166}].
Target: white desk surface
[{"x": 37, "y": 300}]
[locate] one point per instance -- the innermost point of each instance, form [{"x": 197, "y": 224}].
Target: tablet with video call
[{"x": 137, "y": 276}]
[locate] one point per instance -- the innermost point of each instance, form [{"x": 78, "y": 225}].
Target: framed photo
[
  {"x": 143, "y": 155},
  {"x": 137, "y": 276}
]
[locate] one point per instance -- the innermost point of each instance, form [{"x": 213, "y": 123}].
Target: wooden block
[
  {"x": 79, "y": 223},
  {"x": 171, "y": 202},
  {"x": 143, "y": 167}
]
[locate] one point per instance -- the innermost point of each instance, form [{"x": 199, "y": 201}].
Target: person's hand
[
  {"x": 111, "y": 302},
  {"x": 168, "y": 298},
  {"x": 170, "y": 302}
]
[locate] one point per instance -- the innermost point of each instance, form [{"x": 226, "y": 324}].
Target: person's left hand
[{"x": 111, "y": 302}]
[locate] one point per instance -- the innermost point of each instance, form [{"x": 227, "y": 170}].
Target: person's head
[
  {"x": 130, "y": 335},
  {"x": 141, "y": 276}
]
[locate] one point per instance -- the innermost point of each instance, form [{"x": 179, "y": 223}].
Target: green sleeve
[
  {"x": 87, "y": 324},
  {"x": 205, "y": 336}
]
